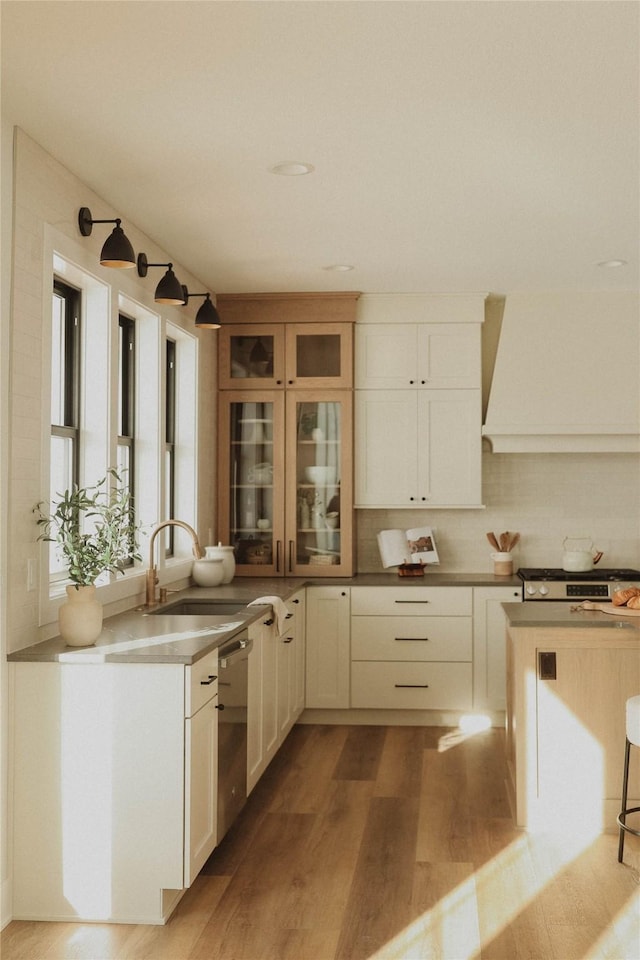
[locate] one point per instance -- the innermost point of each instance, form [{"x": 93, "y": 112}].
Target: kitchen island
[{"x": 569, "y": 674}]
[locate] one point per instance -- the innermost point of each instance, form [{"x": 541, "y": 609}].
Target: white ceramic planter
[{"x": 80, "y": 616}]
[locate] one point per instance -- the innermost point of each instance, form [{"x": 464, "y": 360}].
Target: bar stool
[{"x": 633, "y": 737}]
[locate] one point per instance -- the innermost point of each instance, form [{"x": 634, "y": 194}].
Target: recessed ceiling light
[
  {"x": 613, "y": 263},
  {"x": 339, "y": 267},
  {"x": 292, "y": 168}
]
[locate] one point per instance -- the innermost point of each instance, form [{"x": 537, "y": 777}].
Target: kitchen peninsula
[{"x": 569, "y": 674}]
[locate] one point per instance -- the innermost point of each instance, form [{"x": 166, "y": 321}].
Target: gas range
[{"x": 541, "y": 583}]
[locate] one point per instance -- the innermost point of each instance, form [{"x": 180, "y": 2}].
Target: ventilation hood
[{"x": 567, "y": 374}]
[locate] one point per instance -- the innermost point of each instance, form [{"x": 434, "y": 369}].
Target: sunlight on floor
[
  {"x": 468, "y": 725},
  {"x": 500, "y": 891}
]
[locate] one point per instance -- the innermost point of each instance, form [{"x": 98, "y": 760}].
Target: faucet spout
[{"x": 152, "y": 573}]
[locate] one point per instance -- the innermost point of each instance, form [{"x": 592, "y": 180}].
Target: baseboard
[
  {"x": 5, "y": 903},
  {"x": 395, "y": 718}
]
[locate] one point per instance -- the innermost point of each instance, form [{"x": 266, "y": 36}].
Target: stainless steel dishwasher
[{"x": 233, "y": 668}]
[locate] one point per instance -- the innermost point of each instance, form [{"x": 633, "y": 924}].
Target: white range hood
[{"x": 567, "y": 374}]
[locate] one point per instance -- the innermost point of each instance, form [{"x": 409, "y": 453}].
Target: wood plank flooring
[{"x": 380, "y": 843}]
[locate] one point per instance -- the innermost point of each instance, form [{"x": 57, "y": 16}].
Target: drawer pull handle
[
  {"x": 205, "y": 683},
  {"x": 287, "y": 639},
  {"x": 419, "y": 639},
  {"x": 417, "y": 686},
  {"x": 411, "y": 601},
  {"x": 268, "y": 623}
]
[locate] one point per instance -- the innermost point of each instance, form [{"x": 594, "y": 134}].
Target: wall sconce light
[
  {"x": 117, "y": 250},
  {"x": 207, "y": 316},
  {"x": 169, "y": 290}
]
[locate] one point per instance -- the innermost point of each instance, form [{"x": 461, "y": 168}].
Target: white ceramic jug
[{"x": 228, "y": 560}]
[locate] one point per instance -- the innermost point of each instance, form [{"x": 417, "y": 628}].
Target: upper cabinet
[
  {"x": 275, "y": 341},
  {"x": 430, "y": 355},
  {"x": 418, "y": 401}
]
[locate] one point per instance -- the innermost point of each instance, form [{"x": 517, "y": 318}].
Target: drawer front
[
  {"x": 412, "y": 601},
  {"x": 201, "y": 683},
  {"x": 411, "y": 638},
  {"x": 411, "y": 686}
]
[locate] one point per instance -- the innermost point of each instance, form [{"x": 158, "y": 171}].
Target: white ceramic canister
[
  {"x": 502, "y": 564},
  {"x": 228, "y": 560},
  {"x": 208, "y": 571}
]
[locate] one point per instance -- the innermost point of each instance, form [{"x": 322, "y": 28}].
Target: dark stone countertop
[{"x": 136, "y": 636}]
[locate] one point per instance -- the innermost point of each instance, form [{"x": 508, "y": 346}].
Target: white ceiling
[{"x": 457, "y": 146}]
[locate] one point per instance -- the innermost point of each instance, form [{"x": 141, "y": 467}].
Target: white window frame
[{"x": 103, "y": 298}]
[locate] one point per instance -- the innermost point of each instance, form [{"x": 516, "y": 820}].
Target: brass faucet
[{"x": 152, "y": 573}]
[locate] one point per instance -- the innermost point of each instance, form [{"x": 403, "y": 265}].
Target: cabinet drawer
[
  {"x": 412, "y": 601},
  {"x": 411, "y": 638},
  {"x": 411, "y": 686},
  {"x": 201, "y": 683}
]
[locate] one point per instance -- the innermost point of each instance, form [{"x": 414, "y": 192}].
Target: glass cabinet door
[
  {"x": 251, "y": 356},
  {"x": 253, "y": 514},
  {"x": 319, "y": 499},
  {"x": 319, "y": 355}
]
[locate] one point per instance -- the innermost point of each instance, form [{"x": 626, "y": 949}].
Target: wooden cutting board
[{"x": 610, "y": 608}]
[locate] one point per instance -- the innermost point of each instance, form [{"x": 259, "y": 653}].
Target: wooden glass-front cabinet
[
  {"x": 285, "y": 432},
  {"x": 285, "y": 481},
  {"x": 263, "y": 356}
]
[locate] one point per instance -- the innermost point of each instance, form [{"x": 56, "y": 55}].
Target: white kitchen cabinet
[
  {"x": 262, "y": 703},
  {"x": 201, "y": 759},
  {"x": 104, "y": 802},
  {"x": 395, "y": 356},
  {"x": 418, "y": 448},
  {"x": 411, "y": 648},
  {"x": 489, "y": 645},
  {"x": 411, "y": 686},
  {"x": 328, "y": 647},
  {"x": 298, "y": 604},
  {"x": 275, "y": 685},
  {"x": 290, "y": 664}
]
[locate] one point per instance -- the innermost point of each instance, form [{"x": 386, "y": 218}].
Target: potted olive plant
[{"x": 95, "y": 532}]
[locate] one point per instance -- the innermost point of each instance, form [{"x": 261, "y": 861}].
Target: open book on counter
[{"x": 416, "y": 545}]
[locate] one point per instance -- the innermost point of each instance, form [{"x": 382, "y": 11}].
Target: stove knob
[
  {"x": 544, "y": 591},
  {"x": 531, "y": 591}
]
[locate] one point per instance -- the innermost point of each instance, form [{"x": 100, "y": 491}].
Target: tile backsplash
[{"x": 546, "y": 497}]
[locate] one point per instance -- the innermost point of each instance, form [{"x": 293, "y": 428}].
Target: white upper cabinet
[
  {"x": 418, "y": 448},
  {"x": 418, "y": 413},
  {"x": 433, "y": 355}
]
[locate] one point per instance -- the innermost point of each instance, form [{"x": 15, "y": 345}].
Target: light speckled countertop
[{"x": 136, "y": 636}]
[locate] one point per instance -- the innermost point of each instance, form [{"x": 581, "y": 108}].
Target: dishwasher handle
[{"x": 234, "y": 651}]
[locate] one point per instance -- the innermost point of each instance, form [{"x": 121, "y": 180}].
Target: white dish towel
[{"x": 279, "y": 607}]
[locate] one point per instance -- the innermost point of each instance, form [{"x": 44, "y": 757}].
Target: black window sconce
[
  {"x": 207, "y": 316},
  {"x": 117, "y": 250},
  {"x": 169, "y": 290}
]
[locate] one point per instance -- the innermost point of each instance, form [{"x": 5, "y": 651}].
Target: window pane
[
  {"x": 123, "y": 465},
  {"x": 58, "y": 360},
  {"x": 61, "y": 480}
]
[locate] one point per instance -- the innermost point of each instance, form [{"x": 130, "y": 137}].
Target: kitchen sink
[{"x": 203, "y": 607}]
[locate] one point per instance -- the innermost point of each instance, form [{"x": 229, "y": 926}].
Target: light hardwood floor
[{"x": 369, "y": 843}]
